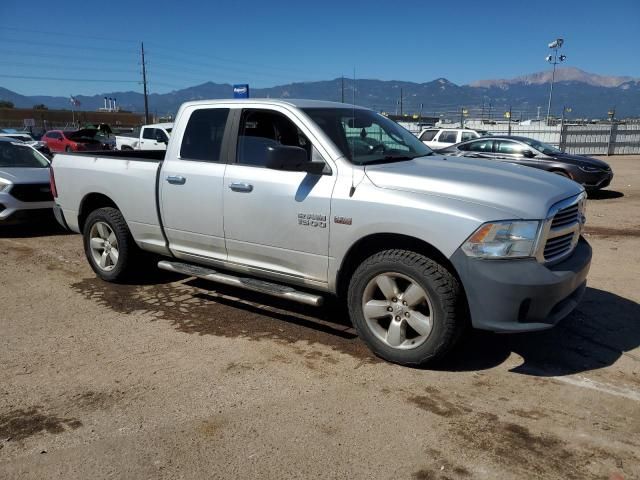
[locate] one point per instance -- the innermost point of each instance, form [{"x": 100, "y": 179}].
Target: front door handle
[
  {"x": 176, "y": 180},
  {"x": 241, "y": 187}
]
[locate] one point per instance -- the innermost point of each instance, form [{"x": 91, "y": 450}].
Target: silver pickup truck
[{"x": 301, "y": 199}]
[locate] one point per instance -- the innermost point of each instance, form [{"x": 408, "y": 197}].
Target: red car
[{"x": 85, "y": 139}]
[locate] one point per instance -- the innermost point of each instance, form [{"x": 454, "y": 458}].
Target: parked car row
[
  {"x": 592, "y": 173},
  {"x": 85, "y": 139}
]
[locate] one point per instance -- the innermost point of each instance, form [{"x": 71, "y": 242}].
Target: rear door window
[
  {"x": 483, "y": 146},
  {"x": 468, "y": 136},
  {"x": 428, "y": 135},
  {"x": 203, "y": 136},
  {"x": 509, "y": 147},
  {"x": 149, "y": 133},
  {"x": 448, "y": 136}
]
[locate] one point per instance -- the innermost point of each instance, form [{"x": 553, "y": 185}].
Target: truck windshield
[{"x": 365, "y": 137}]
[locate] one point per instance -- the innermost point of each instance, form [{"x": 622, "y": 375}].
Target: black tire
[
  {"x": 448, "y": 313},
  {"x": 67, "y": 149},
  {"x": 127, "y": 247}
]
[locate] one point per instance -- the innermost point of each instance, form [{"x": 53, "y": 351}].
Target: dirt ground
[{"x": 176, "y": 378}]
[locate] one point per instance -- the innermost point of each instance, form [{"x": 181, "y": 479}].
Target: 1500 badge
[{"x": 312, "y": 220}]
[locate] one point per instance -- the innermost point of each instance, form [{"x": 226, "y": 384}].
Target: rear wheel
[
  {"x": 405, "y": 306},
  {"x": 108, "y": 244}
]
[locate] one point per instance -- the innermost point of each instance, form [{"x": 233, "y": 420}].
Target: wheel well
[
  {"x": 561, "y": 171},
  {"x": 371, "y": 244},
  {"x": 91, "y": 202}
]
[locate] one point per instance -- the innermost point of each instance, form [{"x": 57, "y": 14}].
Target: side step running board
[{"x": 261, "y": 286}]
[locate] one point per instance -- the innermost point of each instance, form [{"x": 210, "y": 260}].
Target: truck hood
[
  {"x": 25, "y": 175},
  {"x": 524, "y": 192}
]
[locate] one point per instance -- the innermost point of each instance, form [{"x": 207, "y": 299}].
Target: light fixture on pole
[{"x": 554, "y": 60}]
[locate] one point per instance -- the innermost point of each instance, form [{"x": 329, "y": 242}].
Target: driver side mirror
[
  {"x": 161, "y": 138},
  {"x": 528, "y": 153},
  {"x": 291, "y": 159}
]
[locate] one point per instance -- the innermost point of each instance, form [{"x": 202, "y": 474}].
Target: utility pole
[
  {"x": 144, "y": 83},
  {"x": 421, "y": 106},
  {"x": 400, "y": 101},
  {"x": 509, "y": 120},
  {"x": 342, "y": 89},
  {"x": 554, "y": 59}
]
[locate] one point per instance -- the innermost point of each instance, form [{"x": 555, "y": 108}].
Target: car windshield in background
[
  {"x": 542, "y": 147},
  {"x": 365, "y": 137},
  {"x": 13, "y": 155}
]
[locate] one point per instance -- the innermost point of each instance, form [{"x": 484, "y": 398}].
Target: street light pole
[{"x": 554, "y": 60}]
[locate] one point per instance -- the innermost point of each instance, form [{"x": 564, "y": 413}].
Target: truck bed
[{"x": 128, "y": 178}]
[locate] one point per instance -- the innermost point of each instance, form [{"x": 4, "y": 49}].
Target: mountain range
[{"x": 588, "y": 95}]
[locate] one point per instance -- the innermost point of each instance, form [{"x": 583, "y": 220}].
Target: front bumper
[
  {"x": 595, "y": 180},
  {"x": 12, "y": 209},
  {"x": 59, "y": 216},
  {"x": 522, "y": 295}
]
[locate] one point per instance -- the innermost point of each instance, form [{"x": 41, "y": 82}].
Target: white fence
[{"x": 604, "y": 139}]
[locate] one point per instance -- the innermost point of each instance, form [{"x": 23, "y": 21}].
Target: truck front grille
[
  {"x": 32, "y": 192},
  {"x": 558, "y": 246},
  {"x": 566, "y": 216},
  {"x": 563, "y": 230}
]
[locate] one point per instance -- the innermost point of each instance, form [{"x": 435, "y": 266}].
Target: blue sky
[{"x": 270, "y": 42}]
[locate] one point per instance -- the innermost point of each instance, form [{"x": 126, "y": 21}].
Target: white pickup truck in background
[{"x": 150, "y": 137}]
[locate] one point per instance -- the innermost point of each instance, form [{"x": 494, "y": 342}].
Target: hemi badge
[{"x": 343, "y": 220}]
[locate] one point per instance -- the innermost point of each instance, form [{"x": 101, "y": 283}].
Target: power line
[
  {"x": 59, "y": 79},
  {"x": 66, "y": 67},
  {"x": 234, "y": 61},
  {"x": 66, "y": 45},
  {"x": 67, "y": 34},
  {"x": 50, "y": 55}
]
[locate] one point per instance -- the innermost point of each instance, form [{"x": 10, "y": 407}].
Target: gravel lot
[{"x": 176, "y": 378}]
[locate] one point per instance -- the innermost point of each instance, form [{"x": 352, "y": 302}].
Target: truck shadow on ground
[
  {"x": 604, "y": 194},
  {"x": 40, "y": 228},
  {"x": 604, "y": 327}
]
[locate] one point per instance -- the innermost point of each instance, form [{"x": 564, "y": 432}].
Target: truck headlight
[
  {"x": 4, "y": 184},
  {"x": 510, "y": 239}
]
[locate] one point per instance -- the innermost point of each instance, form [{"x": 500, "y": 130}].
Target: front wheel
[
  {"x": 405, "y": 306},
  {"x": 108, "y": 244}
]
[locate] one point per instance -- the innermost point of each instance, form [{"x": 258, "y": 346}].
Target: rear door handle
[
  {"x": 176, "y": 180},
  {"x": 241, "y": 187}
]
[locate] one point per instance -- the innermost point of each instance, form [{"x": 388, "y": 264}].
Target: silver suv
[{"x": 437, "y": 138}]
